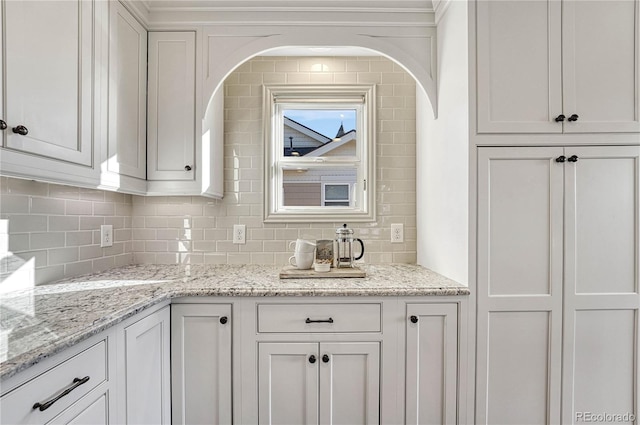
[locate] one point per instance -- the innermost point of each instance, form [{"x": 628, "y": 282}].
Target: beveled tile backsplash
[{"x": 49, "y": 231}]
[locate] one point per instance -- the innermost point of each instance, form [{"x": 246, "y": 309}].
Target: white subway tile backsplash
[
  {"x": 46, "y": 240},
  {"x": 27, "y": 223},
  {"x": 57, "y": 227},
  {"x": 55, "y": 236}
]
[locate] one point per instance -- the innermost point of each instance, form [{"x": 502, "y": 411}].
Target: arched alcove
[{"x": 413, "y": 50}]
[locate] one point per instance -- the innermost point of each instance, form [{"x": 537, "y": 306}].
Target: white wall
[{"x": 442, "y": 155}]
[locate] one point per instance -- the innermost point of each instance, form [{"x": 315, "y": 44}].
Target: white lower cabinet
[
  {"x": 326, "y": 383},
  {"x": 432, "y": 364},
  {"x": 201, "y": 363},
  {"x": 144, "y": 366},
  {"x": 558, "y": 303}
]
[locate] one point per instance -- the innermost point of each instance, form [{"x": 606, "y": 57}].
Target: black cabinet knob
[
  {"x": 3, "y": 125},
  {"x": 21, "y": 130},
  {"x": 224, "y": 320},
  {"x": 312, "y": 359},
  {"x": 560, "y": 118},
  {"x": 573, "y": 117},
  {"x": 414, "y": 319},
  {"x": 561, "y": 158},
  {"x": 187, "y": 168},
  {"x": 325, "y": 358},
  {"x": 573, "y": 158}
]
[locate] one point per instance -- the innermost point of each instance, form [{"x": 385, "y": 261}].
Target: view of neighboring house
[{"x": 318, "y": 187}]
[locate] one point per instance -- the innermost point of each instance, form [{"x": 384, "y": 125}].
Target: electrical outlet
[
  {"x": 239, "y": 234},
  {"x": 106, "y": 235},
  {"x": 397, "y": 233}
]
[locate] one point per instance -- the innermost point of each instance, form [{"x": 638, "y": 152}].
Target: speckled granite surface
[{"x": 40, "y": 322}]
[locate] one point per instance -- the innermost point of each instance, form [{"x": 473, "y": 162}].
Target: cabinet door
[
  {"x": 601, "y": 296},
  {"x": 171, "y": 121},
  {"x": 519, "y": 310},
  {"x": 48, "y": 60},
  {"x": 432, "y": 364},
  {"x": 201, "y": 363},
  {"x": 288, "y": 383},
  {"x": 601, "y": 65},
  {"x": 519, "y": 66},
  {"x": 147, "y": 370},
  {"x": 349, "y": 383},
  {"x": 127, "y": 94}
]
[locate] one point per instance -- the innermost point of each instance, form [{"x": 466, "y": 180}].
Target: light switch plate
[{"x": 106, "y": 235}]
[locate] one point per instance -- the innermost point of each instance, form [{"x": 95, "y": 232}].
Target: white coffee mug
[
  {"x": 302, "y": 260},
  {"x": 302, "y": 245}
]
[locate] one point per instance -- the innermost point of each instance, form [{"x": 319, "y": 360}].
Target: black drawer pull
[
  {"x": 47, "y": 404},
  {"x": 329, "y": 320}
]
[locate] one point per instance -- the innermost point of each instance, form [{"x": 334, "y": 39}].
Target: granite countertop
[{"x": 44, "y": 320}]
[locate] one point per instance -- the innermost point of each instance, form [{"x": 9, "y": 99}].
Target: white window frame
[{"x": 278, "y": 98}]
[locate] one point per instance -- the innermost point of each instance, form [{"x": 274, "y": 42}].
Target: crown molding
[{"x": 440, "y": 8}]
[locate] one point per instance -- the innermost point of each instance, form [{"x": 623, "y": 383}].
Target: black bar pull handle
[
  {"x": 47, "y": 404},
  {"x": 329, "y": 320}
]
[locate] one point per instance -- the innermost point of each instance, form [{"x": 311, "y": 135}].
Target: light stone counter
[{"x": 45, "y": 320}]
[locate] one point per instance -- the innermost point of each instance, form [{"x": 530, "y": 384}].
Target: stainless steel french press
[{"x": 343, "y": 247}]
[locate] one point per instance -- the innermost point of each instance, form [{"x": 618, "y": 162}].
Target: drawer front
[
  {"x": 17, "y": 406},
  {"x": 319, "y": 318}
]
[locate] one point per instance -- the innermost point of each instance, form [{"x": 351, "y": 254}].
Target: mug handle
[
  {"x": 292, "y": 260},
  {"x": 361, "y": 252},
  {"x": 291, "y": 245}
]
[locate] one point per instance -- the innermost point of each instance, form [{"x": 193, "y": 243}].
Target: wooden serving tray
[{"x": 290, "y": 272}]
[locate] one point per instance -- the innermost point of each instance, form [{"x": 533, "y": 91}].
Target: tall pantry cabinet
[{"x": 558, "y": 243}]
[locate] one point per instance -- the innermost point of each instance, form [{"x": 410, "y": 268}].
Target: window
[
  {"x": 337, "y": 194},
  {"x": 319, "y": 153}
]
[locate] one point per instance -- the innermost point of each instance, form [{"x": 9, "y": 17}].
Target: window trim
[{"x": 305, "y": 95}]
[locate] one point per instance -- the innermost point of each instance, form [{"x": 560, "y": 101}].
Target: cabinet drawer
[
  {"x": 319, "y": 318},
  {"x": 17, "y": 406}
]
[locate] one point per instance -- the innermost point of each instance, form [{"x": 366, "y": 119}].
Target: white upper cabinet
[
  {"x": 127, "y": 139},
  {"x": 171, "y": 124},
  {"x": 557, "y": 67},
  {"x": 48, "y": 62}
]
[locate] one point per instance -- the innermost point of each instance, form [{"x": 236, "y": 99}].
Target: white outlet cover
[
  {"x": 397, "y": 233},
  {"x": 239, "y": 234}
]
